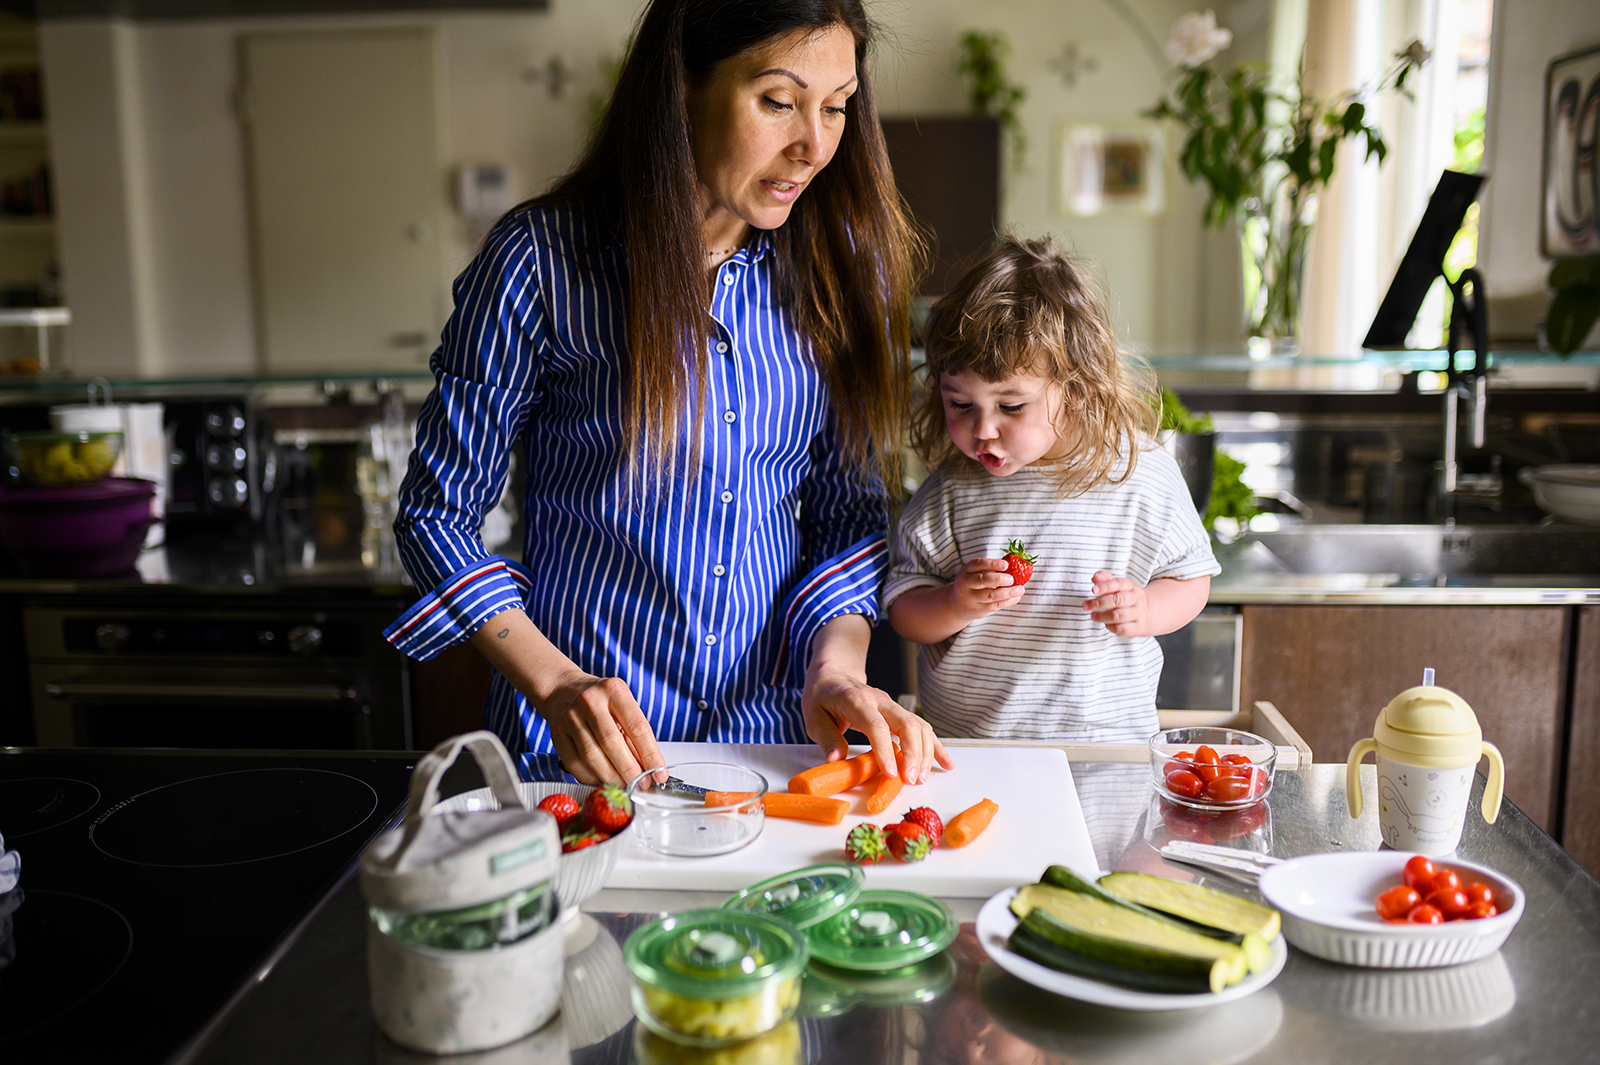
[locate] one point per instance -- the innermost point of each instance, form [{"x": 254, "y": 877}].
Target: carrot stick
[
  {"x": 884, "y": 794},
  {"x": 964, "y": 827},
  {"x": 830, "y": 778},
  {"x": 818, "y": 808}
]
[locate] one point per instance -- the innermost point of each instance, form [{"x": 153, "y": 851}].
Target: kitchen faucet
[{"x": 1467, "y": 312}]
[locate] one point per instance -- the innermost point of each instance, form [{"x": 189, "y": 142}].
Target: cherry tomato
[
  {"x": 1206, "y": 762},
  {"x": 1443, "y": 880},
  {"x": 1187, "y": 756},
  {"x": 1182, "y": 782},
  {"x": 1423, "y": 913},
  {"x": 1236, "y": 759},
  {"x": 1452, "y": 902},
  {"x": 1420, "y": 872},
  {"x": 1257, "y": 778},
  {"x": 1227, "y": 789},
  {"x": 1479, "y": 910},
  {"x": 1477, "y": 891},
  {"x": 1397, "y": 902}
]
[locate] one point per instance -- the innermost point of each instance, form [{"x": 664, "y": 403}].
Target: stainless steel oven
[{"x": 219, "y": 674}]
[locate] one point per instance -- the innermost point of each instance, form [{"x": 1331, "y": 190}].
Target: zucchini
[
  {"x": 1041, "y": 938},
  {"x": 1110, "y": 920},
  {"x": 1062, "y": 877},
  {"x": 1195, "y": 902}
]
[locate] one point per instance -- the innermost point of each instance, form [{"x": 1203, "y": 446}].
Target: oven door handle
[{"x": 308, "y": 693}]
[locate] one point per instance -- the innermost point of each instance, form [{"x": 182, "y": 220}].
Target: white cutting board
[{"x": 1039, "y": 823}]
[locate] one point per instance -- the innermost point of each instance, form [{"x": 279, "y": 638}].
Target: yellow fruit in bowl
[{"x": 52, "y": 460}]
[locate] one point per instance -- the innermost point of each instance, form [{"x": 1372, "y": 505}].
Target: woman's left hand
[{"x": 837, "y": 697}]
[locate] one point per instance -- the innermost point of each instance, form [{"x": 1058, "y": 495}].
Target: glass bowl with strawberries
[{"x": 1212, "y": 769}]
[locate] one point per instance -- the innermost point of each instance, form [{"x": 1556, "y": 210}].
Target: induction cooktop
[{"x": 155, "y": 884}]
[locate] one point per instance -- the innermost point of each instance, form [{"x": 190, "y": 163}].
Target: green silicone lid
[
  {"x": 884, "y": 930},
  {"x": 803, "y": 897},
  {"x": 714, "y": 954}
]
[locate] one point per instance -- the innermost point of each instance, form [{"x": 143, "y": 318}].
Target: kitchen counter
[{"x": 1521, "y": 1004}]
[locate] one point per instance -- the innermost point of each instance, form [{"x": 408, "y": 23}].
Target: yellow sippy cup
[{"x": 1427, "y": 742}]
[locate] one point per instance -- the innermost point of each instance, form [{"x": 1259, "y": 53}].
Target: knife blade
[{"x": 678, "y": 787}]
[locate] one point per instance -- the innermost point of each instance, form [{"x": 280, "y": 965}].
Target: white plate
[{"x": 996, "y": 921}]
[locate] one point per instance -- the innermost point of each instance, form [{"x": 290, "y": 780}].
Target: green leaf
[
  {"x": 1325, "y": 157},
  {"x": 1353, "y": 116},
  {"x": 1581, "y": 271},
  {"x": 1571, "y": 316}
]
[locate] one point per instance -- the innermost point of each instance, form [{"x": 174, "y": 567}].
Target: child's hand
[
  {"x": 983, "y": 586},
  {"x": 1121, "y": 605}
]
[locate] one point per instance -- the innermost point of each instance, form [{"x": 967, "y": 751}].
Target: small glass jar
[
  {"x": 884, "y": 930},
  {"x": 482, "y": 927},
  {"x": 715, "y": 977}
]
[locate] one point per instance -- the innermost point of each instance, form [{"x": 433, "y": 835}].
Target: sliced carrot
[
  {"x": 830, "y": 778},
  {"x": 818, "y": 808},
  {"x": 965, "y": 826},
  {"x": 883, "y": 794}
]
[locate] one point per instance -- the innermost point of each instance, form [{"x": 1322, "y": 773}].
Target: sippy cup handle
[
  {"x": 1352, "y": 775},
  {"x": 1494, "y": 790}
]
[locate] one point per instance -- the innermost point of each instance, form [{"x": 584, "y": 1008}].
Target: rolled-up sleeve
[
  {"x": 844, "y": 521},
  {"x": 486, "y": 370}
]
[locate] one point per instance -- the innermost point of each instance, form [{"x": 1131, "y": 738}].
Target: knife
[{"x": 678, "y": 787}]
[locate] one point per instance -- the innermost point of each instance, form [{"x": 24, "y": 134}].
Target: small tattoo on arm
[{"x": 503, "y": 633}]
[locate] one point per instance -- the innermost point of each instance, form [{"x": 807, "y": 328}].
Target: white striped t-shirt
[{"x": 1040, "y": 669}]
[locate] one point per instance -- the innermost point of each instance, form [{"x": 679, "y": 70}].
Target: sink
[{"x": 1461, "y": 550}]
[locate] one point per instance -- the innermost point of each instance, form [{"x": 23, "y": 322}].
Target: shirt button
[
  {"x": 702, "y": 705},
  {"x": 727, "y": 497},
  {"x": 711, "y": 639},
  {"x": 727, "y": 277},
  {"x": 722, "y": 347},
  {"x": 728, "y": 416},
  {"x": 718, "y": 570}
]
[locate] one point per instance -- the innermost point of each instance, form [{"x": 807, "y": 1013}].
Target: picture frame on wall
[
  {"x": 1110, "y": 166},
  {"x": 1569, "y": 210}
]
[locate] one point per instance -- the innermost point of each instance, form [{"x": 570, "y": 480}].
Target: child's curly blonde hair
[{"x": 1027, "y": 308}]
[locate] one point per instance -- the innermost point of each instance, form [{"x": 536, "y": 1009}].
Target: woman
[{"x": 704, "y": 505}]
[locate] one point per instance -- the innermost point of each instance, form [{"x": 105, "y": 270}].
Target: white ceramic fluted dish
[
  {"x": 996, "y": 922},
  {"x": 1570, "y": 491},
  {"x": 1329, "y": 908}
]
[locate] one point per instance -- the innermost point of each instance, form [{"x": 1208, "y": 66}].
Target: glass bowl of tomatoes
[
  {"x": 1347, "y": 908},
  {"x": 1212, "y": 769}
]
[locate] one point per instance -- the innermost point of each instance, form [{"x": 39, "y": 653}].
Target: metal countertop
[{"x": 1521, "y": 1004}]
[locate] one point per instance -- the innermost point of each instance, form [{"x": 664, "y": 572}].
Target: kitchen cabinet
[
  {"x": 1580, "y": 823},
  {"x": 1337, "y": 666},
  {"x": 28, "y": 257}
]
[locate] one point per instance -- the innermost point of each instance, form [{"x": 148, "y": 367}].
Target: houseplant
[
  {"x": 1265, "y": 150},
  {"x": 981, "y": 62}
]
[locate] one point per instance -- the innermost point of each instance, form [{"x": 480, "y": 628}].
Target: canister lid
[
  {"x": 803, "y": 897},
  {"x": 1431, "y": 722},
  {"x": 884, "y": 930},
  {"x": 461, "y": 859},
  {"x": 714, "y": 954}
]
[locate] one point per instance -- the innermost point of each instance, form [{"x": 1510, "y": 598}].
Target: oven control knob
[
  {"x": 305, "y": 640},
  {"x": 111, "y": 636}
]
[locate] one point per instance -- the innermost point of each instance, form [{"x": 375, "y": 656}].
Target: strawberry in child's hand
[
  {"x": 930, "y": 822},
  {"x": 865, "y": 845},
  {"x": 577, "y": 841},
  {"x": 563, "y": 807},
  {"x": 607, "y": 809},
  {"x": 1019, "y": 563},
  {"x": 908, "y": 841}
]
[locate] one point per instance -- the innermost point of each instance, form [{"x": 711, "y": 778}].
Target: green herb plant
[
  {"x": 1231, "y": 498},
  {"x": 1576, "y": 307},
  {"x": 981, "y": 61}
]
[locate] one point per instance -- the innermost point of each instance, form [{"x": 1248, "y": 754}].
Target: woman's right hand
[{"x": 598, "y": 730}]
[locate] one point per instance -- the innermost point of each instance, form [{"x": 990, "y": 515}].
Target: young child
[{"x": 1038, "y": 430}]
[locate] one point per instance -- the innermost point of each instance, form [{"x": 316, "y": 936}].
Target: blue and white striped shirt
[{"x": 706, "y": 598}]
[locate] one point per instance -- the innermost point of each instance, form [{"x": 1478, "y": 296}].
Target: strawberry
[
  {"x": 563, "y": 807},
  {"x": 577, "y": 841},
  {"x": 908, "y": 841},
  {"x": 607, "y": 809},
  {"x": 930, "y": 822},
  {"x": 1019, "y": 563},
  {"x": 865, "y": 845}
]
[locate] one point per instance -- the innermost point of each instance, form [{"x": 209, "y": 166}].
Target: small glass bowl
[
  {"x": 56, "y": 459},
  {"x": 674, "y": 818},
  {"x": 1241, "y": 778}
]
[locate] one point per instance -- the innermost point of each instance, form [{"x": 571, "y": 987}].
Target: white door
[{"x": 346, "y": 197}]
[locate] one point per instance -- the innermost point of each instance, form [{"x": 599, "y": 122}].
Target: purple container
[{"x": 80, "y": 530}]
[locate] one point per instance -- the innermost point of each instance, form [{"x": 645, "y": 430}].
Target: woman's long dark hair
[{"x": 847, "y": 256}]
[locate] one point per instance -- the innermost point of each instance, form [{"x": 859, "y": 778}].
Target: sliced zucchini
[
  {"x": 1195, "y": 902},
  {"x": 1062, "y": 877},
  {"x": 1041, "y": 938},
  {"x": 1097, "y": 917}
]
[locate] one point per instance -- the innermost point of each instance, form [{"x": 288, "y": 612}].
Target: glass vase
[{"x": 1274, "y": 238}]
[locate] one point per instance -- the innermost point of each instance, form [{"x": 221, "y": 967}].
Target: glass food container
[{"x": 715, "y": 977}]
